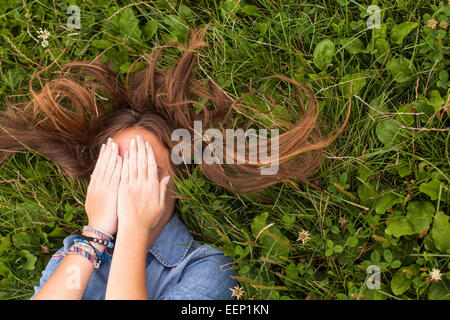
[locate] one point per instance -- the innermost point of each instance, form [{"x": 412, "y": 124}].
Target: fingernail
[
  {"x": 147, "y": 145},
  {"x": 132, "y": 143},
  {"x": 109, "y": 140},
  {"x": 114, "y": 146},
  {"x": 166, "y": 179},
  {"x": 139, "y": 138}
]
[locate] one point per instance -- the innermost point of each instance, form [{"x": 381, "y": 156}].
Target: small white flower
[
  {"x": 43, "y": 34},
  {"x": 435, "y": 274},
  {"x": 303, "y": 236},
  {"x": 44, "y": 43},
  {"x": 432, "y": 24},
  {"x": 237, "y": 292}
]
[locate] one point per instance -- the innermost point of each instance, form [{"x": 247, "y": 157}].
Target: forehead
[{"x": 123, "y": 138}]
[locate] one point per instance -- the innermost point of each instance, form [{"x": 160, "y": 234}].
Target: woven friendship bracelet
[
  {"x": 85, "y": 247},
  {"x": 100, "y": 256},
  {"x": 96, "y": 252},
  {"x": 82, "y": 250},
  {"x": 102, "y": 234}
]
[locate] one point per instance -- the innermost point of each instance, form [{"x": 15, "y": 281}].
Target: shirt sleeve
[
  {"x": 207, "y": 277},
  {"x": 48, "y": 271},
  {"x": 54, "y": 262}
]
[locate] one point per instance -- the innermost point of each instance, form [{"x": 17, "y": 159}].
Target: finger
[
  {"x": 115, "y": 179},
  {"x": 96, "y": 168},
  {"x": 111, "y": 165},
  {"x": 141, "y": 158},
  {"x": 163, "y": 190},
  {"x": 104, "y": 161},
  {"x": 151, "y": 163},
  {"x": 132, "y": 165},
  {"x": 124, "y": 177}
]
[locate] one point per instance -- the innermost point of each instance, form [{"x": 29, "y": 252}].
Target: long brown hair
[{"x": 71, "y": 116}]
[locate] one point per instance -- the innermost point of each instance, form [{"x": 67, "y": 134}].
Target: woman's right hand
[{"x": 101, "y": 198}]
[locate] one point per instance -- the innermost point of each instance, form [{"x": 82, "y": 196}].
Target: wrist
[
  {"x": 137, "y": 232},
  {"x": 105, "y": 227},
  {"x": 130, "y": 224}
]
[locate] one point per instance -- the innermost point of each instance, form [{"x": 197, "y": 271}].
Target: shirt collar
[{"x": 172, "y": 243}]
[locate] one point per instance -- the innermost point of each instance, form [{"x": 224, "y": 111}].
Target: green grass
[{"x": 385, "y": 179}]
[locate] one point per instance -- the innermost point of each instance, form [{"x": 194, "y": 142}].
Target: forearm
[
  {"x": 69, "y": 280},
  {"x": 127, "y": 273}
]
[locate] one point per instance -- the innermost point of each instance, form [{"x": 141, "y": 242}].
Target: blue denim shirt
[{"x": 177, "y": 268}]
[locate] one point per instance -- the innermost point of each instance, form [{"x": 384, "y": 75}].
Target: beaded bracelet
[
  {"x": 103, "y": 242},
  {"x": 102, "y": 234}
]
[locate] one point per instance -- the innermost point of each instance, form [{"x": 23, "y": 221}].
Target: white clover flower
[{"x": 435, "y": 274}]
